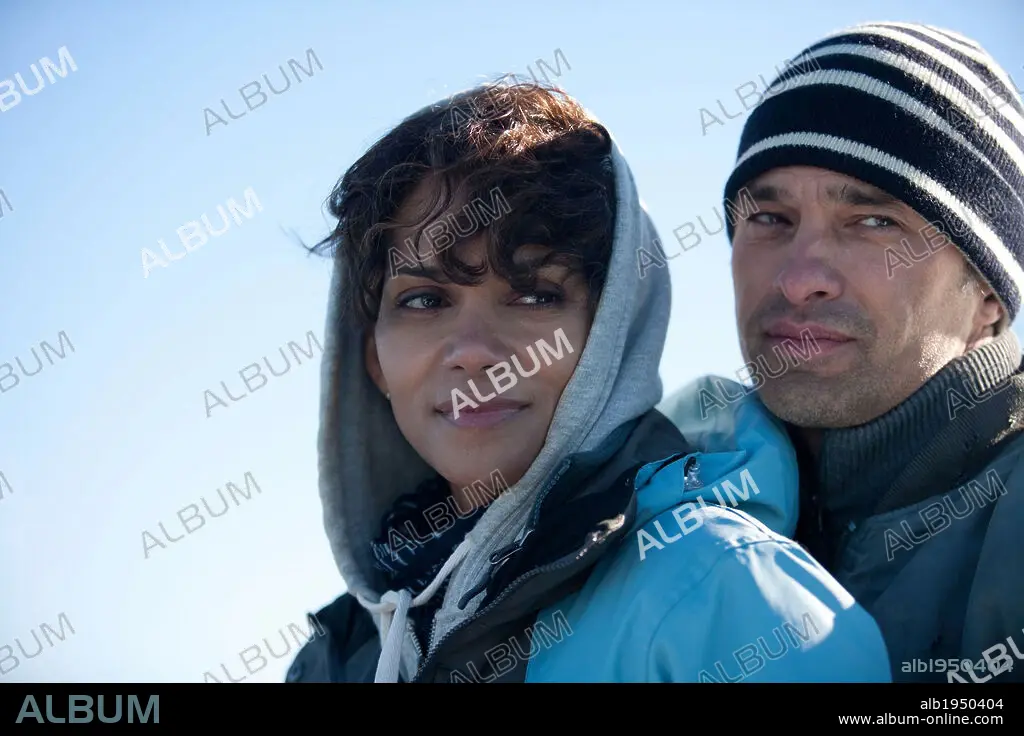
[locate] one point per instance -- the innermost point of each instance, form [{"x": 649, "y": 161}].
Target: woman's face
[{"x": 433, "y": 336}]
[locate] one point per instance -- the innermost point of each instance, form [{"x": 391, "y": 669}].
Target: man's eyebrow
[
  {"x": 849, "y": 194},
  {"x": 857, "y": 196},
  {"x": 769, "y": 193}
]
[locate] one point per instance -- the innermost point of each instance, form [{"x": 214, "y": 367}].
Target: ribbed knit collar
[{"x": 929, "y": 437}]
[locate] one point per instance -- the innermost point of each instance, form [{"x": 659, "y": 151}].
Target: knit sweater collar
[{"x": 890, "y": 461}]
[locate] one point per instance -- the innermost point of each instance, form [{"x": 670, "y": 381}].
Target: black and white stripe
[{"x": 920, "y": 112}]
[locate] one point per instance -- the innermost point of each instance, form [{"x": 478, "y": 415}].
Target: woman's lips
[{"x": 485, "y": 415}]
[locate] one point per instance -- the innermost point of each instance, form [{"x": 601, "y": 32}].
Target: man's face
[
  {"x": 433, "y": 336},
  {"x": 814, "y": 258}
]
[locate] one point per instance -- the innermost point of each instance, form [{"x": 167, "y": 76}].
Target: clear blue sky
[{"x": 114, "y": 438}]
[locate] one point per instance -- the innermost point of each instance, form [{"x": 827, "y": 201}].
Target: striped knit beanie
[{"x": 923, "y": 114}]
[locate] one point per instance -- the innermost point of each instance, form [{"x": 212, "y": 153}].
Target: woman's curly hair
[{"x": 528, "y": 146}]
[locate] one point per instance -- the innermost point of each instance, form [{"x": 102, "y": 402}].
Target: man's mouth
[
  {"x": 805, "y": 341},
  {"x": 786, "y": 330}
]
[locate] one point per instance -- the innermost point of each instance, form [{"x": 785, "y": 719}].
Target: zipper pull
[
  {"x": 477, "y": 590},
  {"x": 691, "y": 474},
  {"x": 499, "y": 557},
  {"x": 604, "y": 529},
  {"x": 497, "y": 560}
]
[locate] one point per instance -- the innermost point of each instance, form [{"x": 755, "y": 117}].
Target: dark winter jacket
[{"x": 920, "y": 514}]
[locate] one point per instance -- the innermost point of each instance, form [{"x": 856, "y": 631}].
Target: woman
[{"x": 502, "y": 498}]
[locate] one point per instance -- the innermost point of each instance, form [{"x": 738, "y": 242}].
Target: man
[{"x": 884, "y": 144}]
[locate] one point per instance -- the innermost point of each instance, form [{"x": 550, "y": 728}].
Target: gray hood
[{"x": 365, "y": 463}]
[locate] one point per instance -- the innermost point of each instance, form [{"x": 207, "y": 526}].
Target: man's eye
[
  {"x": 766, "y": 218},
  {"x": 878, "y": 221}
]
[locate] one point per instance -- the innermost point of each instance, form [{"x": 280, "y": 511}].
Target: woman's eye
[
  {"x": 420, "y": 301},
  {"x": 878, "y": 221},
  {"x": 539, "y": 298}
]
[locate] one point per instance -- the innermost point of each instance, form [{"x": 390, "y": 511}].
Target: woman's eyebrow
[
  {"x": 537, "y": 262},
  {"x": 424, "y": 272}
]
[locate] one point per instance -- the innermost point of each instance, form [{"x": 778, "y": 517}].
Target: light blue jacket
[{"x": 706, "y": 587}]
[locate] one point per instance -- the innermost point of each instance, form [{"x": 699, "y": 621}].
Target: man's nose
[{"x": 808, "y": 272}]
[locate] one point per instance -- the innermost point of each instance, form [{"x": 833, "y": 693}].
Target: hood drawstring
[{"x": 394, "y": 608}]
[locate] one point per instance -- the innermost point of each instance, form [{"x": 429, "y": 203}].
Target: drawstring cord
[{"x": 394, "y": 608}]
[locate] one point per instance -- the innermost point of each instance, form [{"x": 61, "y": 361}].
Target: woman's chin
[{"x": 486, "y": 473}]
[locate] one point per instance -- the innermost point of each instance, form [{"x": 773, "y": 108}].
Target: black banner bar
[{"x": 322, "y": 705}]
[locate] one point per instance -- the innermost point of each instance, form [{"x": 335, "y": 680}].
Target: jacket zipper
[
  {"x": 506, "y": 552},
  {"x": 416, "y": 644},
  {"x": 596, "y": 537},
  {"x": 845, "y": 537},
  {"x": 819, "y": 516}
]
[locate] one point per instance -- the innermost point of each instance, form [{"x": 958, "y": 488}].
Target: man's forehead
[{"x": 785, "y": 183}]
